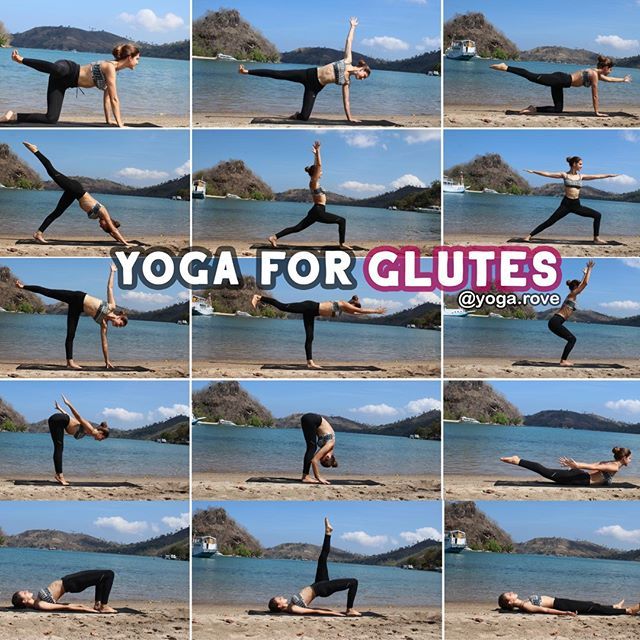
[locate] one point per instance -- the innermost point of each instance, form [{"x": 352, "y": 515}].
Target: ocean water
[
  {"x": 253, "y": 581},
  {"x": 217, "y": 220},
  {"x": 23, "y": 211},
  {"x": 515, "y": 216},
  {"x": 137, "y": 577},
  {"x": 531, "y": 339},
  {"x": 36, "y": 337},
  {"x": 23, "y": 454},
  {"x": 475, "y": 83},
  {"x": 475, "y": 448},
  {"x": 482, "y": 577},
  {"x": 230, "y": 449},
  {"x": 230, "y": 339},
  {"x": 158, "y": 86},
  {"x": 219, "y": 88}
]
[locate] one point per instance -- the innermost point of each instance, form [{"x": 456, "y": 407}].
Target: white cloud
[
  {"x": 184, "y": 295},
  {"x": 173, "y": 411},
  {"x": 422, "y": 405},
  {"x": 376, "y": 410},
  {"x": 425, "y": 1},
  {"x": 361, "y": 140},
  {"x": 143, "y": 296},
  {"x": 634, "y": 263},
  {"x": 183, "y": 169},
  {"x": 621, "y": 305},
  {"x": 620, "y": 533},
  {"x": 419, "y": 137},
  {"x": 424, "y": 533},
  {"x": 631, "y": 406},
  {"x": 618, "y": 43},
  {"x": 118, "y": 413},
  {"x": 364, "y": 539},
  {"x": 386, "y": 42},
  {"x": 624, "y": 180},
  {"x": 119, "y": 524},
  {"x": 176, "y": 522},
  {"x": 147, "y": 19},
  {"x": 428, "y": 44},
  {"x": 389, "y": 305},
  {"x": 424, "y": 296},
  {"x": 142, "y": 174},
  {"x": 362, "y": 187},
  {"x": 408, "y": 179},
  {"x": 630, "y": 136}
]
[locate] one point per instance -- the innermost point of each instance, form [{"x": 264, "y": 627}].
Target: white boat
[
  {"x": 224, "y": 56},
  {"x": 195, "y": 420},
  {"x": 204, "y": 547},
  {"x": 461, "y": 313},
  {"x": 469, "y": 420},
  {"x": 461, "y": 50},
  {"x": 201, "y": 306},
  {"x": 455, "y": 541},
  {"x": 449, "y": 186},
  {"x": 487, "y": 190},
  {"x": 227, "y": 422},
  {"x": 233, "y": 196},
  {"x": 199, "y": 190}
]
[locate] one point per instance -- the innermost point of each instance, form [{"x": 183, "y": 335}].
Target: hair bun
[{"x": 568, "y": 282}]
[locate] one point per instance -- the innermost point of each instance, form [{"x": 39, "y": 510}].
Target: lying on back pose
[{"x": 563, "y": 606}]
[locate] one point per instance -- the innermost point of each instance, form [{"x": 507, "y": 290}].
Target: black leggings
[
  {"x": 75, "y": 300},
  {"x": 317, "y": 213},
  {"x": 309, "y": 310},
  {"x": 583, "y": 608},
  {"x": 567, "y": 206},
  {"x": 71, "y": 190},
  {"x": 101, "y": 579},
  {"x": 63, "y": 74},
  {"x": 57, "y": 425},
  {"x": 309, "y": 423},
  {"x": 323, "y": 587},
  {"x": 558, "y": 81},
  {"x": 556, "y": 325},
  {"x": 306, "y": 77},
  {"x": 573, "y": 477}
]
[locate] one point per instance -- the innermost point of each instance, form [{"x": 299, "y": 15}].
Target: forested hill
[
  {"x": 478, "y": 400},
  {"x": 490, "y": 42},
  {"x": 15, "y": 172},
  {"x": 490, "y": 171},
  {"x": 178, "y": 186},
  {"x": 229, "y": 401},
  {"x": 563, "y": 419},
  {"x": 482, "y": 532}
]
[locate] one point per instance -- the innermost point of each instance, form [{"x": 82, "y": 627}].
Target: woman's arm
[
  {"x": 106, "y": 107},
  {"x": 85, "y": 424},
  {"x": 353, "y": 23},
  {"x": 600, "y": 176},
  {"x": 585, "y": 280},
  {"x": 527, "y": 607},
  {"x": 48, "y": 606},
  {"x": 110, "y": 297},
  {"x": 327, "y": 448},
  {"x": 105, "y": 345},
  {"x": 594, "y": 97},
  {"x": 113, "y": 231},
  {"x": 345, "y": 103},
  {"x": 350, "y": 308},
  {"x": 627, "y": 78},
  {"x": 612, "y": 467},
  {"x": 112, "y": 91},
  {"x": 302, "y": 611},
  {"x": 547, "y": 174},
  {"x": 317, "y": 161},
  {"x": 59, "y": 408}
]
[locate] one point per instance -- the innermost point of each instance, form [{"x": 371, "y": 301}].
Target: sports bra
[
  {"x": 576, "y": 184},
  {"x": 318, "y": 191},
  {"x": 323, "y": 439},
  {"x": 80, "y": 433},
  {"x": 98, "y": 76},
  {"x": 297, "y": 600},
  {"x": 586, "y": 78},
  {"x": 340, "y": 72},
  {"x": 607, "y": 476},
  {"x": 45, "y": 596},
  {"x": 335, "y": 309},
  {"x": 94, "y": 212},
  {"x": 536, "y": 600},
  {"x": 568, "y": 302},
  {"x": 102, "y": 311}
]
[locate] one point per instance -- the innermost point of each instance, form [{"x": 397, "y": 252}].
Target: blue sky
[
  {"x": 358, "y": 164},
  {"x": 361, "y": 527},
  {"x": 548, "y": 22},
  {"x": 371, "y": 401},
  {"x": 125, "y": 405},
  {"x": 608, "y": 523},
  {"x": 136, "y": 158},
  {"x": 601, "y": 152},
  {"x": 157, "y": 21},
  {"x": 389, "y": 29},
  {"x": 111, "y": 520}
]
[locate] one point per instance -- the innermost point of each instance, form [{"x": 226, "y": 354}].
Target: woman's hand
[
  {"x": 323, "y": 481},
  {"x": 568, "y": 462},
  {"x": 113, "y": 268},
  {"x": 316, "y": 147},
  {"x": 109, "y": 365},
  {"x": 573, "y": 614},
  {"x": 627, "y": 78},
  {"x": 590, "y": 265},
  {"x": 353, "y": 22}
]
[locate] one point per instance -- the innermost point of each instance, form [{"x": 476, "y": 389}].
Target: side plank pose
[
  {"x": 559, "y": 81},
  {"x": 315, "y": 79},
  {"x": 571, "y": 202},
  {"x": 318, "y": 212},
  {"x": 321, "y": 441},
  {"x": 310, "y": 310},
  {"x": 47, "y": 598},
  {"x": 80, "y": 302},
  {"x": 67, "y": 74},
  {"x": 563, "y": 606},
  {"x": 73, "y": 190},
  {"x": 75, "y": 426},
  {"x": 298, "y": 604},
  {"x": 579, "y": 474}
]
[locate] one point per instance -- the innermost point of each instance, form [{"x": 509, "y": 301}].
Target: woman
[
  {"x": 78, "y": 427},
  {"x": 73, "y": 190},
  {"x": 315, "y": 79},
  {"x": 47, "y": 598},
  {"x": 563, "y": 606},
  {"x": 579, "y": 474},
  {"x": 298, "y": 604},
  {"x": 310, "y": 310},
  {"x": 557, "y": 320},
  {"x": 321, "y": 441},
  {"x": 103, "y": 312},
  {"x": 571, "y": 202},
  {"x": 559, "y": 81},
  {"x": 318, "y": 212},
  {"x": 66, "y": 74}
]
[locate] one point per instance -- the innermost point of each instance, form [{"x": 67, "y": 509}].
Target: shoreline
[
  {"x": 157, "y": 369},
  {"x": 71, "y": 120}
]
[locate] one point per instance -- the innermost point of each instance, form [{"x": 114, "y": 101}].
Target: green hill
[
  {"x": 490, "y": 42},
  {"x": 482, "y": 532},
  {"x": 14, "y": 172},
  {"x": 233, "y": 176},
  {"x": 490, "y": 171},
  {"x": 229, "y": 401},
  {"x": 232, "y": 538},
  {"x": 478, "y": 400}
]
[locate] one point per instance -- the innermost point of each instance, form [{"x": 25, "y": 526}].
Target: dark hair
[
  {"x": 16, "y": 601},
  {"x": 103, "y": 428},
  {"x": 114, "y": 222},
  {"x": 331, "y": 462},
  {"x": 604, "y": 61},
  {"x": 273, "y": 605},
  {"x": 312, "y": 169},
  {"x": 503, "y": 602},
  {"x": 620, "y": 452},
  {"x": 573, "y": 160},
  {"x": 364, "y": 66},
  {"x": 355, "y": 301},
  {"x": 122, "y": 51},
  {"x": 572, "y": 284}
]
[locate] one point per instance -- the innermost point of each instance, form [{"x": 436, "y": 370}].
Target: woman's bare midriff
[
  {"x": 87, "y": 202},
  {"x": 326, "y": 74},
  {"x": 326, "y": 309},
  {"x": 56, "y": 589},
  {"x": 577, "y": 79},
  {"x": 91, "y": 304},
  {"x": 85, "y": 79}
]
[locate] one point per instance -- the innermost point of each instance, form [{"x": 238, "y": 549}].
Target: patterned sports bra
[
  {"x": 576, "y": 184},
  {"x": 98, "y": 76}
]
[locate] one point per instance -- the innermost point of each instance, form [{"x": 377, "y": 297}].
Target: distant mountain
[
  {"x": 172, "y": 313},
  {"x": 14, "y": 299},
  {"x": 564, "y": 547},
  {"x": 560, "y": 54},
  {"x": 556, "y": 189},
  {"x": 404, "y": 198},
  {"x": 174, "y": 430},
  {"x": 229, "y": 401},
  {"x": 233, "y": 539},
  {"x": 579, "y": 315},
  {"x": 632, "y": 62},
  {"x": 304, "y": 551},
  {"x": 478, "y": 400},
  {"x": 490, "y": 171},
  {"x": 15, "y": 172},
  {"x": 482, "y": 532},
  {"x": 424, "y": 316},
  {"x": 233, "y": 176},
  {"x": 490, "y": 42},
  {"x": 178, "y": 186},
  {"x": 563, "y": 419},
  {"x": 304, "y": 195},
  {"x": 10, "y": 419}
]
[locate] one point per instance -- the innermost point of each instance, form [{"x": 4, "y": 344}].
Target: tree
[{"x": 5, "y": 36}]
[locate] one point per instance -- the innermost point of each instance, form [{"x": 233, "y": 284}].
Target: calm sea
[
  {"x": 252, "y": 450},
  {"x": 219, "y": 88},
  {"x": 158, "y": 86},
  {"x": 247, "y": 581},
  {"x": 137, "y": 577}
]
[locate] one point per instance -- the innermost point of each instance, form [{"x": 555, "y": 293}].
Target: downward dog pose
[
  {"x": 318, "y": 212},
  {"x": 298, "y": 604},
  {"x": 67, "y": 74},
  {"x": 579, "y": 474},
  {"x": 563, "y": 606},
  {"x": 310, "y": 310},
  {"x": 315, "y": 79},
  {"x": 47, "y": 598},
  {"x": 559, "y": 81},
  {"x": 321, "y": 441},
  {"x": 80, "y": 302},
  {"x": 571, "y": 202}
]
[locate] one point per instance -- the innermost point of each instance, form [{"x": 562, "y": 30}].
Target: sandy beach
[
  {"x": 219, "y": 622},
  {"x": 94, "y": 369},
  {"x": 95, "y": 121},
  {"x": 234, "y": 486},
  {"x": 211, "y": 119},
  {"x": 158, "y": 620}
]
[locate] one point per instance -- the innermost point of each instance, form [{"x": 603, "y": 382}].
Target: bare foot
[
  {"x": 241, "y": 69},
  {"x": 273, "y": 241},
  {"x": 511, "y": 459},
  {"x": 60, "y": 478},
  {"x": 16, "y": 57},
  {"x": 9, "y": 116},
  {"x": 105, "y": 608},
  {"x": 312, "y": 365},
  {"x": 72, "y": 365},
  {"x": 19, "y": 284},
  {"x": 566, "y": 363},
  {"x": 328, "y": 529},
  {"x": 31, "y": 147},
  {"x": 501, "y": 66},
  {"x": 526, "y": 239},
  {"x": 353, "y": 613},
  {"x": 39, "y": 237},
  {"x": 346, "y": 246},
  {"x": 530, "y": 109},
  {"x": 255, "y": 299},
  {"x": 618, "y": 605},
  {"x": 309, "y": 480},
  {"x": 598, "y": 241}
]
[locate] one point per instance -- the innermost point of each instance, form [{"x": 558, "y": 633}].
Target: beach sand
[
  {"x": 158, "y": 369},
  {"x": 68, "y": 120},
  {"x": 233, "y": 486},
  {"x": 157, "y": 620},
  {"x": 484, "y": 622},
  {"x": 210, "y": 119},
  {"x": 219, "y": 622}
]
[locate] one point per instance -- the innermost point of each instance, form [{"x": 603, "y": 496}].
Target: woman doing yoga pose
[
  {"x": 298, "y": 604},
  {"x": 80, "y": 302},
  {"x": 47, "y": 598},
  {"x": 66, "y": 74},
  {"x": 318, "y": 212},
  {"x": 73, "y": 190},
  {"x": 310, "y": 310},
  {"x": 580, "y": 474},
  {"x": 563, "y": 606},
  {"x": 315, "y": 79},
  {"x": 321, "y": 441},
  {"x": 559, "y": 81}
]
